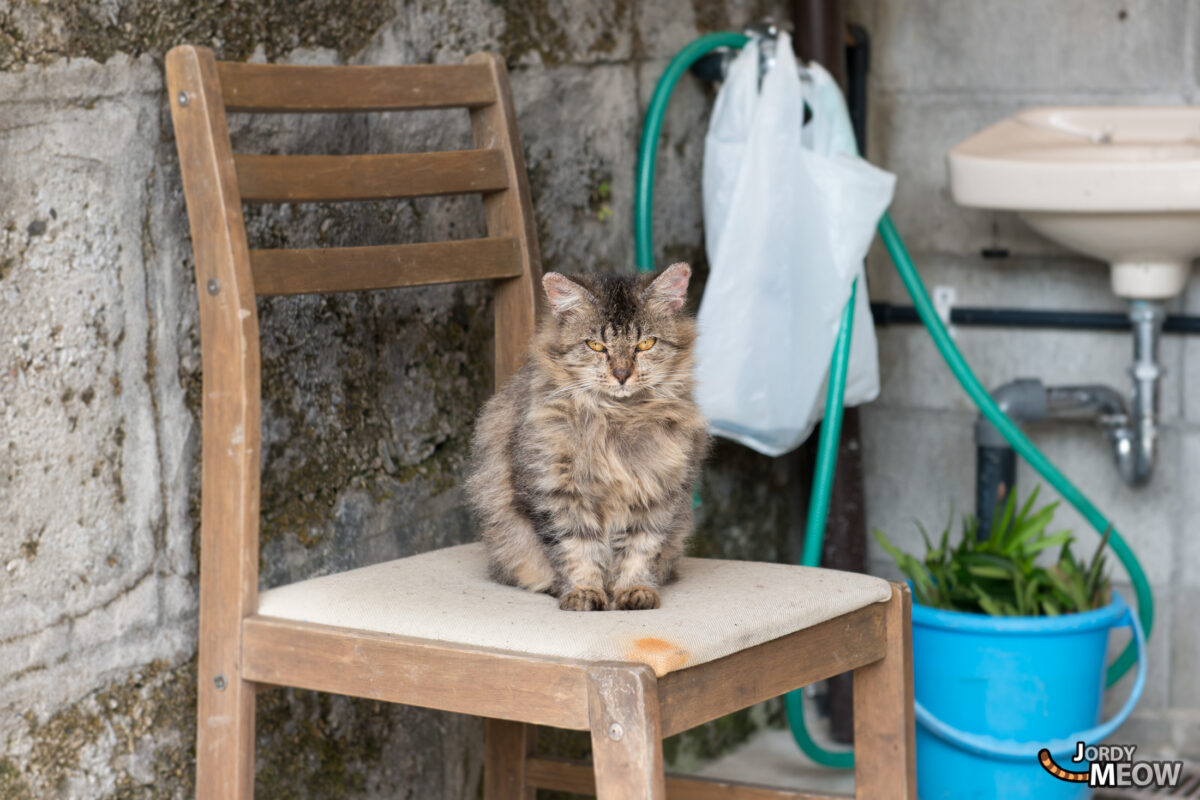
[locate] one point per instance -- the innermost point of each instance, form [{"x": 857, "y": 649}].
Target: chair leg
[
  {"x": 626, "y": 738},
  {"x": 884, "y": 737},
  {"x": 508, "y": 746},
  {"x": 225, "y": 739}
]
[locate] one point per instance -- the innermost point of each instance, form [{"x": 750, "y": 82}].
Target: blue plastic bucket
[{"x": 993, "y": 691}]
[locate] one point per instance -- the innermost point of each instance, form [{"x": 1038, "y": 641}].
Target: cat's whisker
[{"x": 569, "y": 389}]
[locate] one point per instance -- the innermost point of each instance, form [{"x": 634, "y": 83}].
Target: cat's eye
[
  {"x": 597, "y": 346},
  {"x": 647, "y": 343}
]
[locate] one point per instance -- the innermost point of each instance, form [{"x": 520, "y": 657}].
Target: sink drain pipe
[
  {"x": 1029, "y": 400},
  {"x": 827, "y": 448}
]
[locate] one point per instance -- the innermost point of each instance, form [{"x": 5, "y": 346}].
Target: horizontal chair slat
[
  {"x": 291, "y": 88},
  {"x": 396, "y": 669},
  {"x": 306, "y": 179},
  {"x": 351, "y": 269},
  {"x": 767, "y": 670}
]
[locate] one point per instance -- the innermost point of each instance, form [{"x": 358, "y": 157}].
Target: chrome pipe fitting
[
  {"x": 1131, "y": 426},
  {"x": 1135, "y": 442}
]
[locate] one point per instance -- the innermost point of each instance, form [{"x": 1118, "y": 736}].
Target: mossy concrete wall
[{"x": 368, "y": 398}]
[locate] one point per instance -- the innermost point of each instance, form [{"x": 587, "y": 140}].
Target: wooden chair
[{"x": 745, "y": 633}]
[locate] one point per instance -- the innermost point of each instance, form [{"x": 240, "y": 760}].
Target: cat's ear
[
  {"x": 669, "y": 290},
  {"x": 564, "y": 294}
]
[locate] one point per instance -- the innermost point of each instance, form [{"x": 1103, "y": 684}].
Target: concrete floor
[{"x": 772, "y": 758}]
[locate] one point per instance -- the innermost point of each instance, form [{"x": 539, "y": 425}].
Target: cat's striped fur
[{"x": 583, "y": 464}]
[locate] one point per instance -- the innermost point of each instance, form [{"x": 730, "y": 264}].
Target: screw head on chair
[{"x": 615, "y": 731}]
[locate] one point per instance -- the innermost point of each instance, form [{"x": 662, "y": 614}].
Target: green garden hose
[
  {"x": 1018, "y": 440},
  {"x": 643, "y": 215},
  {"x": 831, "y": 427},
  {"x": 818, "y": 510}
]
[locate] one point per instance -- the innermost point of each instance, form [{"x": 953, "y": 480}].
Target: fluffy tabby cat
[{"x": 583, "y": 463}]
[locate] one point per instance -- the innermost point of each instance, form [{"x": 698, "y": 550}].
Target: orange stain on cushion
[{"x": 658, "y": 654}]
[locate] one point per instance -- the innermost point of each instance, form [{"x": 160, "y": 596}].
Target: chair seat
[{"x": 714, "y": 608}]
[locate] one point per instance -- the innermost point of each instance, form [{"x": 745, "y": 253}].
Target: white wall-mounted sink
[{"x": 1121, "y": 184}]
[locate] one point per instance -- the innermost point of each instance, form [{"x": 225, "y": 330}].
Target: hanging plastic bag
[{"x": 789, "y": 212}]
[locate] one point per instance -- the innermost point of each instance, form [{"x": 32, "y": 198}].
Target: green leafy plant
[{"x": 1000, "y": 575}]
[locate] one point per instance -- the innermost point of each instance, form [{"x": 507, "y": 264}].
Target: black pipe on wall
[
  {"x": 995, "y": 476},
  {"x": 891, "y": 314}
]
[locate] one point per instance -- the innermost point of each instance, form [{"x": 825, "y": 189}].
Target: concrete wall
[
  {"x": 942, "y": 70},
  {"x": 368, "y": 399}
]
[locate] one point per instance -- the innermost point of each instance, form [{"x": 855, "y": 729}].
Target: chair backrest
[{"x": 230, "y": 275}]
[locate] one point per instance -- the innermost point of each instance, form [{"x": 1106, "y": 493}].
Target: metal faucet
[{"x": 715, "y": 65}]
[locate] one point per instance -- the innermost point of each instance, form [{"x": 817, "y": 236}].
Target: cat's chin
[{"x": 623, "y": 392}]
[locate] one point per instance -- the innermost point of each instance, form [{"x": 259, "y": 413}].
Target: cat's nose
[{"x": 621, "y": 374}]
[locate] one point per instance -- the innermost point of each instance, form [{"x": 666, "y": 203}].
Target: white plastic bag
[{"x": 789, "y": 212}]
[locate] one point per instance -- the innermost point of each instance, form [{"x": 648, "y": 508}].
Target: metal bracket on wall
[{"x": 944, "y": 298}]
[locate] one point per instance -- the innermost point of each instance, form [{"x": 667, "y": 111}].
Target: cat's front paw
[
  {"x": 584, "y": 600},
  {"x": 636, "y": 598}
]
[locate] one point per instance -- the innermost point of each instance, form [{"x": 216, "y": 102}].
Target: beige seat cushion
[{"x": 713, "y": 609}]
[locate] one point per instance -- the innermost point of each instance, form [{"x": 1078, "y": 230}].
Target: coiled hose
[{"x": 831, "y": 427}]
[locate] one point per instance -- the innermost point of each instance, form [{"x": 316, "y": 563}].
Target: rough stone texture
[
  {"x": 43, "y": 32},
  {"x": 1026, "y": 46},
  {"x": 942, "y": 71},
  {"x": 368, "y": 399}
]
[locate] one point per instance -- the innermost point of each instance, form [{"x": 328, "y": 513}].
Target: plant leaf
[
  {"x": 1062, "y": 537},
  {"x": 1000, "y": 526},
  {"x": 1001, "y": 575}
]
